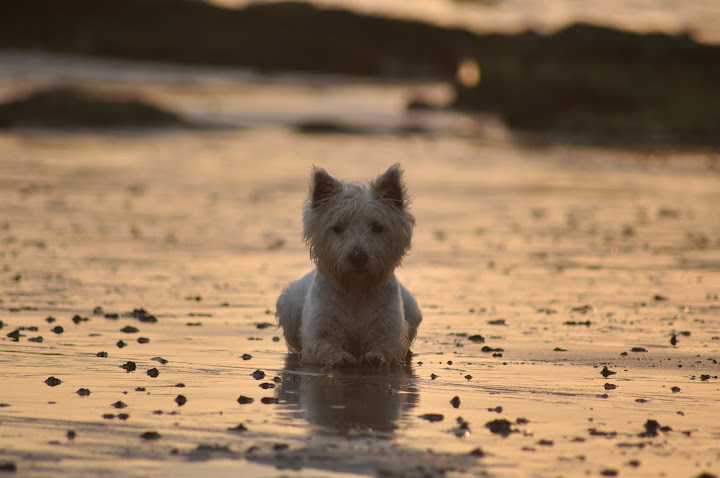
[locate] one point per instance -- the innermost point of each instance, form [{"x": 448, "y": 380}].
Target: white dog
[{"x": 351, "y": 308}]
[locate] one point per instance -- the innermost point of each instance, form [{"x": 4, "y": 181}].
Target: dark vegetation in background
[{"x": 583, "y": 78}]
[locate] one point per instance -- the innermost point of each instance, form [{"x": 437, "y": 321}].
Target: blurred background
[{"x": 633, "y": 73}]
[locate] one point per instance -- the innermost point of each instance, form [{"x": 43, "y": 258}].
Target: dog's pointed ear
[
  {"x": 322, "y": 186},
  {"x": 390, "y": 186}
]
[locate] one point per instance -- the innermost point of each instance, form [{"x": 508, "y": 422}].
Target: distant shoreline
[{"x": 583, "y": 79}]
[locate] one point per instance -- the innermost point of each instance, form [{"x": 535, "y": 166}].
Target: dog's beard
[{"x": 354, "y": 280}]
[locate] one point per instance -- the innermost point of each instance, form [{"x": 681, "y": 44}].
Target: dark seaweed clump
[{"x": 69, "y": 107}]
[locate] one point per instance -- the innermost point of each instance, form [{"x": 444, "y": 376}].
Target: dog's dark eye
[
  {"x": 338, "y": 229},
  {"x": 376, "y": 228}
]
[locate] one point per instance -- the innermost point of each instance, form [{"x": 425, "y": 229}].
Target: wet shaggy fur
[{"x": 352, "y": 308}]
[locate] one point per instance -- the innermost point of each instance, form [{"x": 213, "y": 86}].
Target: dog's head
[{"x": 358, "y": 233}]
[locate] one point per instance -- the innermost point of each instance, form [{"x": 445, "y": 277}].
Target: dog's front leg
[
  {"x": 325, "y": 344},
  {"x": 389, "y": 347}
]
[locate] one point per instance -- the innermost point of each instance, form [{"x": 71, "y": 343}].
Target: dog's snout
[{"x": 358, "y": 258}]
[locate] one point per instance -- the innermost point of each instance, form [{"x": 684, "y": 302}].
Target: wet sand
[{"x": 564, "y": 260}]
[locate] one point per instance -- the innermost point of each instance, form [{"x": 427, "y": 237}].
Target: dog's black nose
[{"x": 358, "y": 258}]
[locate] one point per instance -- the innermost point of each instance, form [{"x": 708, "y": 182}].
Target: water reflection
[{"x": 351, "y": 402}]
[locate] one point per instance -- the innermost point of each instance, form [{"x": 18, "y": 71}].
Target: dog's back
[
  {"x": 413, "y": 316},
  {"x": 289, "y": 310}
]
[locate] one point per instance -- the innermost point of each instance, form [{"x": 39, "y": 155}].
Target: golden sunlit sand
[{"x": 564, "y": 260}]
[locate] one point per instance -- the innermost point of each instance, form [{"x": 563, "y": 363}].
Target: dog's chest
[{"x": 357, "y": 316}]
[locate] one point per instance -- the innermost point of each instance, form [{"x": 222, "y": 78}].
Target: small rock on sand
[
  {"x": 143, "y": 316},
  {"x": 129, "y": 366},
  {"x": 433, "y": 417},
  {"x": 152, "y": 435},
  {"x": 500, "y": 427},
  {"x": 606, "y": 372}
]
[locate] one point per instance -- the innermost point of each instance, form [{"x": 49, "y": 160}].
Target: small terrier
[{"x": 351, "y": 309}]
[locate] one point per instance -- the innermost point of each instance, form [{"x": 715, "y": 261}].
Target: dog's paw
[
  {"x": 376, "y": 359},
  {"x": 337, "y": 358}
]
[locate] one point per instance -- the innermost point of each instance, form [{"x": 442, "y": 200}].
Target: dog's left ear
[{"x": 390, "y": 186}]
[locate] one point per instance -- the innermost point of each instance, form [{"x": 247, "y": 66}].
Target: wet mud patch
[{"x": 526, "y": 264}]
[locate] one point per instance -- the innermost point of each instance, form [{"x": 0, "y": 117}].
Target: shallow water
[{"x": 202, "y": 229}]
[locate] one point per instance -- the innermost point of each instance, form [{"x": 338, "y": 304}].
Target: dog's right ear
[{"x": 322, "y": 187}]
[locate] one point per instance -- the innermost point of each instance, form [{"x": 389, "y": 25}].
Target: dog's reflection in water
[{"x": 353, "y": 401}]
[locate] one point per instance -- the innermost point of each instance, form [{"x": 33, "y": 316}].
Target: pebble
[
  {"x": 143, "y": 316},
  {"x": 433, "y": 417},
  {"x": 8, "y": 466},
  {"x": 150, "y": 435},
  {"x": 500, "y": 427},
  {"x": 129, "y": 366},
  {"x": 606, "y": 372}
]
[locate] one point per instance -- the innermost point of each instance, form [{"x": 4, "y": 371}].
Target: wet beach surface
[{"x": 537, "y": 269}]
